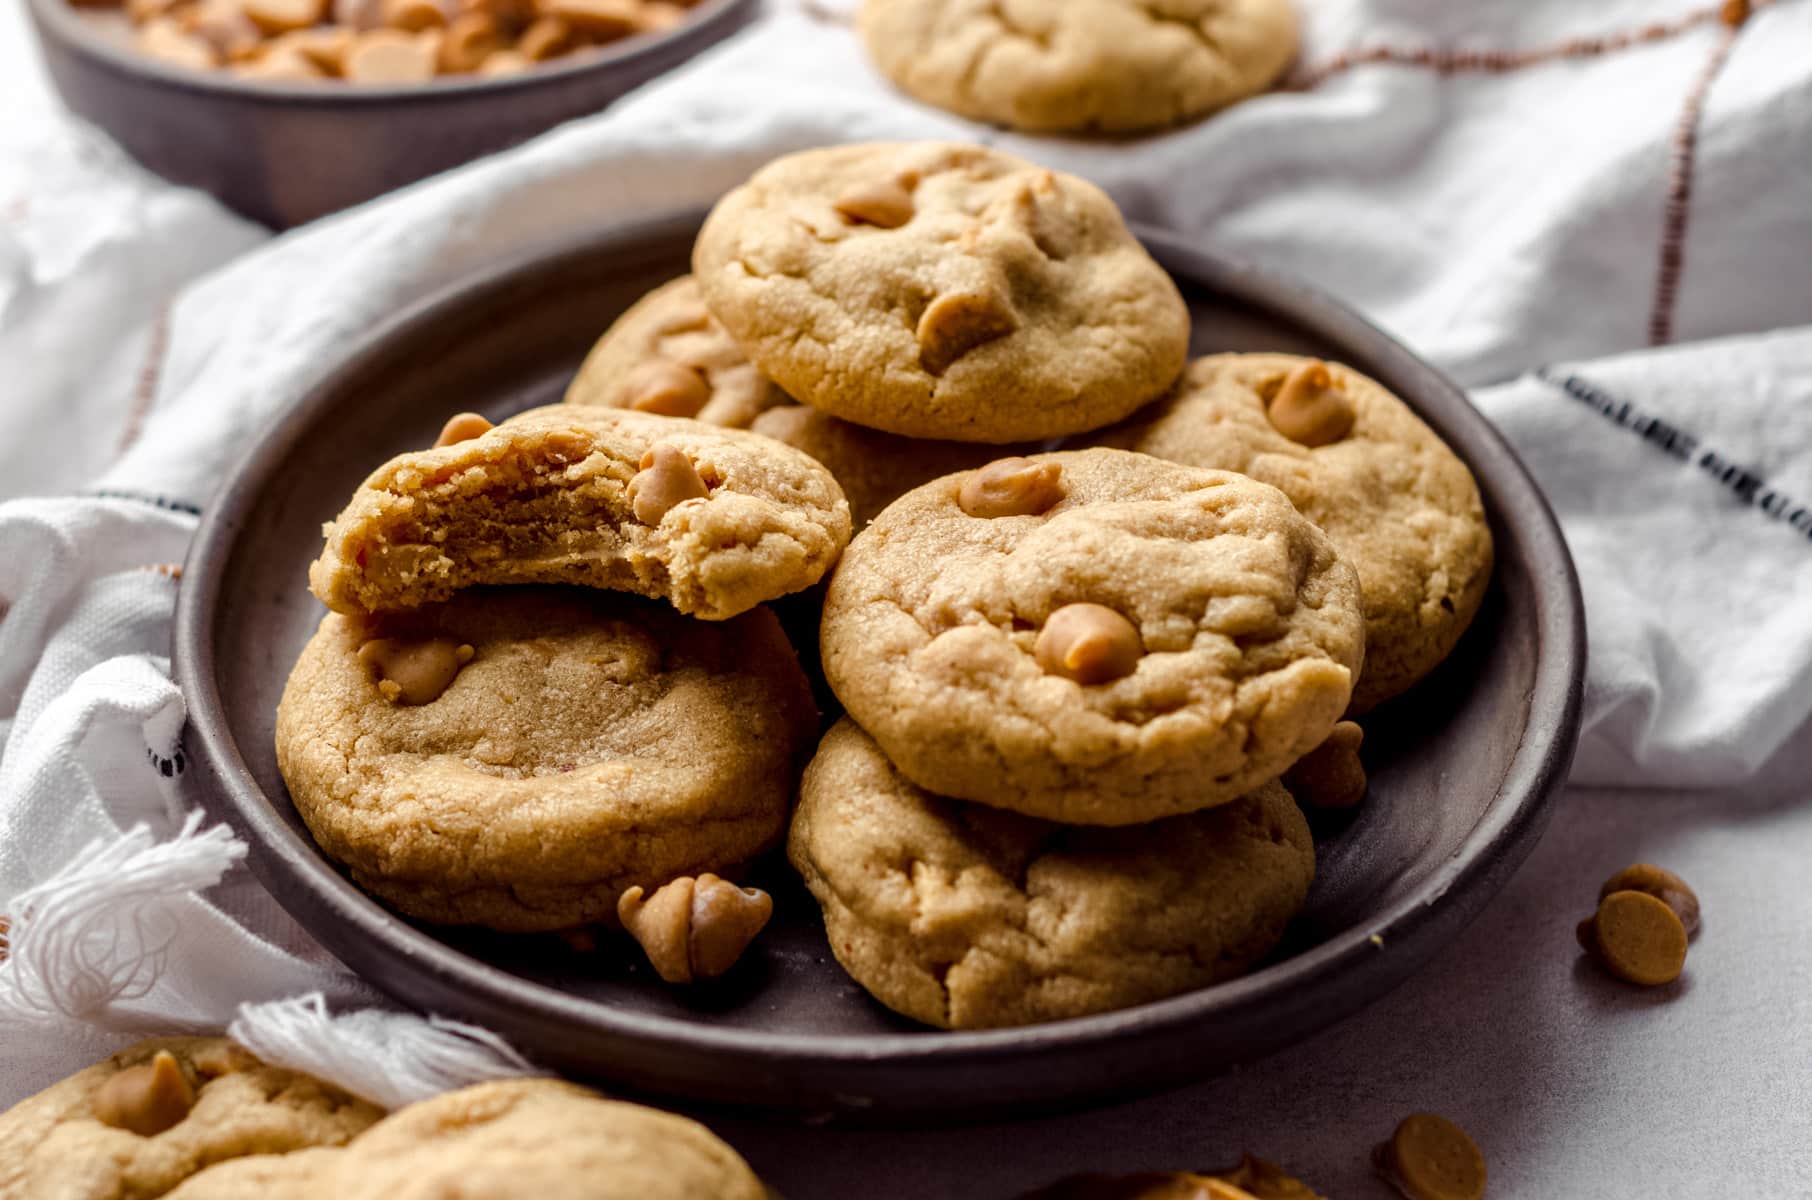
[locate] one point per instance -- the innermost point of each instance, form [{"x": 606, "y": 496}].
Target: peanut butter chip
[
  {"x": 1089, "y": 643},
  {"x": 391, "y": 56},
  {"x": 667, "y": 388},
  {"x": 957, "y": 322},
  {"x": 601, "y": 19},
  {"x": 285, "y": 16},
  {"x": 1637, "y": 938},
  {"x": 162, "y": 39},
  {"x": 146, "y": 1099},
  {"x": 1663, "y": 885},
  {"x": 1011, "y": 487},
  {"x": 1308, "y": 408},
  {"x": 462, "y": 427},
  {"x": 1431, "y": 1158},
  {"x": 285, "y": 66},
  {"x": 545, "y": 38},
  {"x": 471, "y": 38},
  {"x": 414, "y": 672},
  {"x": 500, "y": 63},
  {"x": 6, "y": 929},
  {"x": 694, "y": 928},
  {"x": 1735, "y": 12},
  {"x": 666, "y": 480},
  {"x": 414, "y": 16},
  {"x": 884, "y": 204},
  {"x": 1145, "y": 1185},
  {"x": 1330, "y": 775}
]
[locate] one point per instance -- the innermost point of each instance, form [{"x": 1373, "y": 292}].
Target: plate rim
[{"x": 1503, "y": 837}]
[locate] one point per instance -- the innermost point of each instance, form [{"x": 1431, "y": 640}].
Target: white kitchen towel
[{"x": 1528, "y": 194}]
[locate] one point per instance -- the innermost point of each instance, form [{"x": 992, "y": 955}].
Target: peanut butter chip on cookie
[
  {"x": 1663, "y": 885},
  {"x": 694, "y": 928},
  {"x": 1308, "y": 407},
  {"x": 1637, "y": 937},
  {"x": 462, "y": 428},
  {"x": 957, "y": 322},
  {"x": 1011, "y": 487},
  {"x": 1330, "y": 775},
  {"x": 884, "y": 204},
  {"x": 146, "y": 1099},
  {"x": 667, "y": 388},
  {"x": 1431, "y": 1158},
  {"x": 414, "y": 672},
  {"x": 1089, "y": 643},
  {"x": 666, "y": 480}
]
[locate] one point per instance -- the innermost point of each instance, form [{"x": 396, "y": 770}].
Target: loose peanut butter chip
[
  {"x": 146, "y": 1099},
  {"x": 1735, "y": 12},
  {"x": 462, "y": 427},
  {"x": 667, "y": 479},
  {"x": 6, "y": 929},
  {"x": 414, "y": 672},
  {"x": 1011, "y": 487},
  {"x": 957, "y": 322},
  {"x": 882, "y": 203},
  {"x": 1637, "y": 938},
  {"x": 471, "y": 38},
  {"x": 285, "y": 16},
  {"x": 1089, "y": 643},
  {"x": 389, "y": 56},
  {"x": 667, "y": 388},
  {"x": 1431, "y": 1158},
  {"x": 1330, "y": 775},
  {"x": 1663, "y": 885},
  {"x": 1144, "y": 1185},
  {"x": 1309, "y": 408},
  {"x": 694, "y": 928}
]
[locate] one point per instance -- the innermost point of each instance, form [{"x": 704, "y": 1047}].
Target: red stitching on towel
[
  {"x": 1497, "y": 62},
  {"x": 1679, "y": 181},
  {"x": 144, "y": 392}
]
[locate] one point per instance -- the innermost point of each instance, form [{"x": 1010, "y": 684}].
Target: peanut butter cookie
[
  {"x": 539, "y": 750},
  {"x": 176, "y": 1117},
  {"x": 941, "y": 291},
  {"x": 667, "y": 355},
  {"x": 1094, "y": 637},
  {"x": 540, "y": 1138},
  {"x": 1396, "y": 502},
  {"x": 714, "y": 521},
  {"x": 1049, "y": 66},
  {"x": 967, "y": 917}
]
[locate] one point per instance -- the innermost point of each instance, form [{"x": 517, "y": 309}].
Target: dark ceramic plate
[
  {"x": 284, "y": 154},
  {"x": 1463, "y": 769}
]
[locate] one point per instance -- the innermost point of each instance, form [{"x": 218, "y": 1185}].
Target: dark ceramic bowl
[
  {"x": 284, "y": 154},
  {"x": 1463, "y": 769}
]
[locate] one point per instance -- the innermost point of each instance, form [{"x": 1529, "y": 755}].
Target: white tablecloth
[{"x": 1501, "y": 222}]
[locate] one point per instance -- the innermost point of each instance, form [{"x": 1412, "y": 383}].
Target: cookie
[
  {"x": 517, "y": 757},
  {"x": 967, "y": 917},
  {"x": 1397, "y": 503},
  {"x": 668, "y": 355},
  {"x": 873, "y": 468},
  {"x": 941, "y": 291},
  {"x": 1094, "y": 637},
  {"x": 545, "y": 1139},
  {"x": 1051, "y": 66},
  {"x": 163, "y": 1117},
  {"x": 715, "y": 521}
]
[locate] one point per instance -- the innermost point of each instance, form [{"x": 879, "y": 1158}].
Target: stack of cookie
[
  {"x": 1106, "y": 608},
  {"x": 625, "y": 716},
  {"x": 1099, "y": 634},
  {"x": 193, "y": 1118}
]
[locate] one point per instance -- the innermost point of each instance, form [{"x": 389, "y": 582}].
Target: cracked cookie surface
[
  {"x": 1397, "y": 503},
  {"x": 541, "y": 1138},
  {"x": 967, "y": 917},
  {"x": 549, "y": 497},
  {"x": 592, "y": 742},
  {"x": 666, "y": 353},
  {"x": 1110, "y": 66},
  {"x": 941, "y": 291},
  {"x": 248, "y": 1121},
  {"x": 1247, "y": 623}
]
